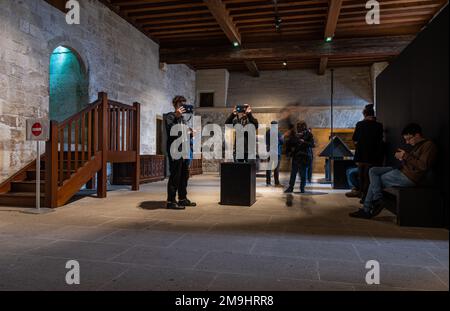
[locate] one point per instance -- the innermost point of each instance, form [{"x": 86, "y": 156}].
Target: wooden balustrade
[
  {"x": 153, "y": 168},
  {"x": 80, "y": 147}
]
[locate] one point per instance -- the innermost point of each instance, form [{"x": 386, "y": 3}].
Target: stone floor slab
[
  {"x": 305, "y": 249},
  {"x": 162, "y": 257},
  {"x": 247, "y": 264}
]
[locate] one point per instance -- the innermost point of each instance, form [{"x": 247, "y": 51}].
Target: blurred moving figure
[
  {"x": 276, "y": 169},
  {"x": 299, "y": 145}
]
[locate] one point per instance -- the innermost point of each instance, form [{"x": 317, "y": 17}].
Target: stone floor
[{"x": 297, "y": 242}]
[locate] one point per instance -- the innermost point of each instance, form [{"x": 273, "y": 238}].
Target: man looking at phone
[
  {"x": 242, "y": 115},
  {"x": 179, "y": 169},
  {"x": 414, "y": 166}
]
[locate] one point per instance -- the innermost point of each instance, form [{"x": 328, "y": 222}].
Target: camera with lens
[
  {"x": 241, "y": 108},
  {"x": 188, "y": 108},
  {"x": 302, "y": 134}
]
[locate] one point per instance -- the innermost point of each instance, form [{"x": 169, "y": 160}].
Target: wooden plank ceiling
[{"x": 203, "y": 33}]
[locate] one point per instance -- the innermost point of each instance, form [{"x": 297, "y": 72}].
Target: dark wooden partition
[
  {"x": 414, "y": 88},
  {"x": 152, "y": 169}
]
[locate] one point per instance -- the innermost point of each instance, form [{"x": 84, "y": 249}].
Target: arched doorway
[{"x": 68, "y": 84}]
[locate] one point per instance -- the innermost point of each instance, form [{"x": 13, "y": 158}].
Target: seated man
[{"x": 414, "y": 166}]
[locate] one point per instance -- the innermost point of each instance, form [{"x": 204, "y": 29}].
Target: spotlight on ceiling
[
  {"x": 328, "y": 39},
  {"x": 235, "y": 44},
  {"x": 284, "y": 64}
]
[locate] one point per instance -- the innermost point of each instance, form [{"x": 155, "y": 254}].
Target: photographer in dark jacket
[
  {"x": 179, "y": 169},
  {"x": 368, "y": 138},
  {"x": 299, "y": 145},
  {"x": 243, "y": 118}
]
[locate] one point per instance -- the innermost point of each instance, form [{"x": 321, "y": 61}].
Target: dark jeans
[
  {"x": 276, "y": 174},
  {"x": 363, "y": 176},
  {"x": 299, "y": 167},
  {"x": 384, "y": 177},
  {"x": 178, "y": 179},
  {"x": 309, "y": 171},
  {"x": 352, "y": 177}
]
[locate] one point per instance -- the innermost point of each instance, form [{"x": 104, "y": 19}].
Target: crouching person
[
  {"x": 413, "y": 167},
  {"x": 179, "y": 168}
]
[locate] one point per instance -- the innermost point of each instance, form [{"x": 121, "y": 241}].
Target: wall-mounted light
[
  {"x": 235, "y": 44},
  {"x": 284, "y": 64},
  {"x": 328, "y": 39}
]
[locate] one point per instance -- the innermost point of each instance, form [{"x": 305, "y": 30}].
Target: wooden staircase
[{"x": 77, "y": 153}]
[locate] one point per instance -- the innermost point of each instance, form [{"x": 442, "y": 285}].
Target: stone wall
[
  {"x": 119, "y": 59},
  {"x": 317, "y": 118},
  {"x": 213, "y": 81},
  {"x": 352, "y": 87},
  {"x": 297, "y": 95}
]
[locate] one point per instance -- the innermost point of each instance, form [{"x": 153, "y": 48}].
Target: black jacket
[
  {"x": 234, "y": 119},
  {"x": 171, "y": 120},
  {"x": 301, "y": 151},
  {"x": 368, "y": 138}
]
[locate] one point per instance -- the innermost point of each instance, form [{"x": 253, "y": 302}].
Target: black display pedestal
[
  {"x": 340, "y": 173},
  {"x": 238, "y": 184}
]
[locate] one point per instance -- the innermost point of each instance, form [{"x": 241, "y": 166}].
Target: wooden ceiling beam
[
  {"x": 225, "y": 21},
  {"x": 169, "y": 7},
  {"x": 334, "y": 10},
  {"x": 168, "y": 14},
  {"x": 251, "y": 66},
  {"x": 352, "y": 47},
  {"x": 323, "y": 65},
  {"x": 114, "y": 8}
]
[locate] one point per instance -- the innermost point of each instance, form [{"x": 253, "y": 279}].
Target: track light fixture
[{"x": 278, "y": 19}]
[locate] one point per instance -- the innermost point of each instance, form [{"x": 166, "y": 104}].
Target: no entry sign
[{"x": 37, "y": 129}]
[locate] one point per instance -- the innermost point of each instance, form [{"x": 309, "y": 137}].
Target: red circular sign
[{"x": 36, "y": 129}]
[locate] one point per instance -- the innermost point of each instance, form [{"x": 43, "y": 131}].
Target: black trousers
[
  {"x": 178, "y": 179},
  {"x": 276, "y": 173}
]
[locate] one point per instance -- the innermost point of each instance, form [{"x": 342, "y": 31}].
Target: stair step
[
  {"x": 20, "y": 199},
  {"x": 26, "y": 186},
  {"x": 31, "y": 175}
]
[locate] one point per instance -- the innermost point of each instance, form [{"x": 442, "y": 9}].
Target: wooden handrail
[
  {"x": 121, "y": 105},
  {"x": 79, "y": 114}
]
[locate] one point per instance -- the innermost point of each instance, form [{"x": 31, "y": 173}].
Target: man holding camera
[
  {"x": 179, "y": 168},
  {"x": 242, "y": 115},
  {"x": 300, "y": 144}
]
